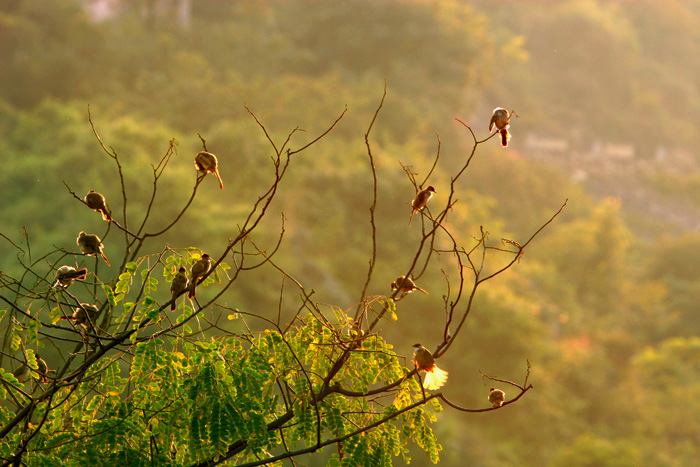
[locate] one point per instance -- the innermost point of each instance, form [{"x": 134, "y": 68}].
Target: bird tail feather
[
  {"x": 435, "y": 378},
  {"x": 505, "y": 136}
]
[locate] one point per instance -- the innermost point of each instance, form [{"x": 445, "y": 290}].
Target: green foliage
[
  {"x": 195, "y": 400},
  {"x": 588, "y": 451},
  {"x": 591, "y": 254},
  {"x": 45, "y": 49}
]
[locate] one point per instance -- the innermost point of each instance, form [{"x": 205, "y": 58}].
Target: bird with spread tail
[
  {"x": 501, "y": 120},
  {"x": 97, "y": 202},
  {"x": 207, "y": 162},
  {"x": 496, "y": 397},
  {"x": 423, "y": 361},
  {"x": 66, "y": 275},
  {"x": 91, "y": 245},
  {"x": 421, "y": 200},
  {"x": 406, "y": 286},
  {"x": 199, "y": 269},
  {"x": 178, "y": 285}
]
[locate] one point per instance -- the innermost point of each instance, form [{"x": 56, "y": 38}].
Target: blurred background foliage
[{"x": 604, "y": 305}]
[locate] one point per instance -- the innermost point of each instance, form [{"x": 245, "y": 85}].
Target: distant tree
[
  {"x": 589, "y": 451},
  {"x": 49, "y": 48},
  {"x": 131, "y": 383}
]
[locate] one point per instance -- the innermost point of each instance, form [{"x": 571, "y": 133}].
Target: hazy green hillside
[{"x": 604, "y": 310}]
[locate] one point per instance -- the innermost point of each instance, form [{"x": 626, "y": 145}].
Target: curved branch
[{"x": 372, "y": 208}]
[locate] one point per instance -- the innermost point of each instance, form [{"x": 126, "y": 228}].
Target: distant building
[
  {"x": 538, "y": 143},
  {"x": 180, "y": 10},
  {"x": 100, "y": 10},
  {"x": 676, "y": 160},
  {"x": 619, "y": 152}
]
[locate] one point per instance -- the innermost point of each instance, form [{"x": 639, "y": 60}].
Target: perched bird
[
  {"x": 405, "y": 285},
  {"x": 97, "y": 202},
  {"x": 357, "y": 335},
  {"x": 423, "y": 361},
  {"x": 421, "y": 200},
  {"x": 199, "y": 269},
  {"x": 497, "y": 397},
  {"x": 501, "y": 120},
  {"x": 66, "y": 275},
  {"x": 84, "y": 315},
  {"x": 42, "y": 369},
  {"x": 178, "y": 285},
  {"x": 21, "y": 373},
  {"x": 206, "y": 162},
  {"x": 91, "y": 245}
]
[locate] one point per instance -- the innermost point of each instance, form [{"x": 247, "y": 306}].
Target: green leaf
[
  {"x": 33, "y": 331},
  {"x": 153, "y": 314},
  {"x": 16, "y": 341},
  {"x": 109, "y": 294},
  {"x": 55, "y": 315}
]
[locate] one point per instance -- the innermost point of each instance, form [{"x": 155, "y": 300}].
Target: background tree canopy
[{"x": 601, "y": 304}]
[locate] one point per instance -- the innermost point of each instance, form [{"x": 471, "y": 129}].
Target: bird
[
  {"x": 199, "y": 269},
  {"x": 42, "y": 369},
  {"x": 496, "y": 397},
  {"x": 66, "y": 275},
  {"x": 421, "y": 200},
  {"x": 97, "y": 202},
  {"x": 84, "y": 315},
  {"x": 405, "y": 285},
  {"x": 178, "y": 285},
  {"x": 501, "y": 120},
  {"x": 357, "y": 335},
  {"x": 207, "y": 162},
  {"x": 21, "y": 373},
  {"x": 423, "y": 361},
  {"x": 91, "y": 245}
]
